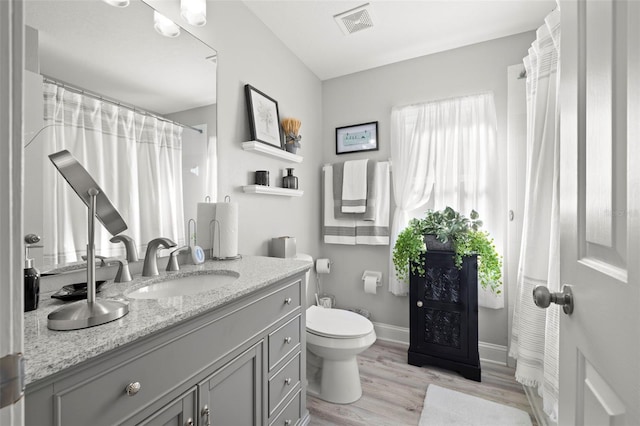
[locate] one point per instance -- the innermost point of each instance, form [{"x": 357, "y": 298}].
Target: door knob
[
  {"x": 419, "y": 303},
  {"x": 543, "y": 298}
]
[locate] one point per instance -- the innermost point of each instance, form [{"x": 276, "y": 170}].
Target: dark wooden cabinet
[{"x": 444, "y": 315}]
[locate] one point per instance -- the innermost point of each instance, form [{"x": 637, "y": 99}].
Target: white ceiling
[{"x": 402, "y": 29}]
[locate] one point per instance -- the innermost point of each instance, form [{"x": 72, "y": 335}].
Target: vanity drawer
[
  {"x": 283, "y": 382},
  {"x": 104, "y": 399},
  {"x": 290, "y": 416},
  {"x": 277, "y": 305},
  {"x": 283, "y": 340}
]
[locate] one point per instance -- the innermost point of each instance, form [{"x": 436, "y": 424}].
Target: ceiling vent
[{"x": 354, "y": 20}]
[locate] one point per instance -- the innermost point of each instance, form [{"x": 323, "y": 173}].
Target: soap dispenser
[{"x": 31, "y": 275}]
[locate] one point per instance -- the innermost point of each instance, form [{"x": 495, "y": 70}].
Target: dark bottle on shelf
[{"x": 290, "y": 181}]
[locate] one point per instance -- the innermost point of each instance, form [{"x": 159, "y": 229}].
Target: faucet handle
[
  {"x": 129, "y": 245},
  {"x": 103, "y": 260},
  {"x": 172, "y": 264},
  {"x": 123, "y": 275}
]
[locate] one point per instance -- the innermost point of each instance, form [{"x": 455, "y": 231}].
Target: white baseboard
[
  {"x": 391, "y": 333},
  {"x": 489, "y": 352}
]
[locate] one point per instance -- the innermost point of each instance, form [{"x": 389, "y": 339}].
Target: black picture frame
[
  {"x": 264, "y": 117},
  {"x": 357, "y": 138}
]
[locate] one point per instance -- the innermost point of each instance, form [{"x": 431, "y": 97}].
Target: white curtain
[
  {"x": 135, "y": 158},
  {"x": 446, "y": 150},
  {"x": 535, "y": 331}
]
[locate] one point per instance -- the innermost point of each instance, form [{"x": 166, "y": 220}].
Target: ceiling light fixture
[
  {"x": 117, "y": 3},
  {"x": 164, "y": 25},
  {"x": 194, "y": 11}
]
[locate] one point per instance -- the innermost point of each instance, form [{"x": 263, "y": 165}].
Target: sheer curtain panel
[
  {"x": 135, "y": 158},
  {"x": 535, "y": 331},
  {"x": 445, "y": 150}
]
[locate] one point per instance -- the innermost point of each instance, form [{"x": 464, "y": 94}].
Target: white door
[
  {"x": 11, "y": 275},
  {"x": 600, "y": 212}
]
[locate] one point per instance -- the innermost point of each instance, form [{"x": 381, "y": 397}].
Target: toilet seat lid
[{"x": 337, "y": 323}]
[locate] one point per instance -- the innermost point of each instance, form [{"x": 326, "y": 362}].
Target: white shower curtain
[
  {"x": 135, "y": 158},
  {"x": 534, "y": 336},
  {"x": 447, "y": 150}
]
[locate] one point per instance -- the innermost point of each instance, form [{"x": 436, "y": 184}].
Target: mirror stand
[{"x": 83, "y": 314}]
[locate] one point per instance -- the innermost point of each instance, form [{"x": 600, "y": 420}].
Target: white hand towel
[
  {"x": 335, "y": 231},
  {"x": 354, "y": 187},
  {"x": 376, "y": 232}
]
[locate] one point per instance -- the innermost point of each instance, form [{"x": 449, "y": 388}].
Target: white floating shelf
[
  {"x": 272, "y": 190},
  {"x": 272, "y": 151}
]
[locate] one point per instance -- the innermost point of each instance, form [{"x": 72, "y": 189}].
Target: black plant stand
[{"x": 444, "y": 315}]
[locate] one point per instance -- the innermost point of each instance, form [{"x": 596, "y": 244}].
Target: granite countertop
[{"x": 48, "y": 352}]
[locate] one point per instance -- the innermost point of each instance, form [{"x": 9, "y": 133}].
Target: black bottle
[
  {"x": 290, "y": 181},
  {"x": 31, "y": 286}
]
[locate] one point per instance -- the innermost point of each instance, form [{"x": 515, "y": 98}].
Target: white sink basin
[{"x": 184, "y": 286}]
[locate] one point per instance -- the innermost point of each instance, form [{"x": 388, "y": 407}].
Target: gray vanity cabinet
[{"x": 239, "y": 364}]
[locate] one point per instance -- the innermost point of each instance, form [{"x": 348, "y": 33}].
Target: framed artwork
[
  {"x": 357, "y": 138},
  {"x": 264, "y": 119}
]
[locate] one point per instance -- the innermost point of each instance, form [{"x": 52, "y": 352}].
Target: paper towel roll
[
  {"x": 323, "y": 266},
  {"x": 225, "y": 232},
  {"x": 370, "y": 284}
]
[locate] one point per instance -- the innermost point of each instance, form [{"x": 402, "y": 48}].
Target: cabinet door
[
  {"x": 441, "y": 308},
  {"x": 233, "y": 394},
  {"x": 181, "y": 412}
]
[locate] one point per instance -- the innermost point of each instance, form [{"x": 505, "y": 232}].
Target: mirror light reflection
[{"x": 102, "y": 83}]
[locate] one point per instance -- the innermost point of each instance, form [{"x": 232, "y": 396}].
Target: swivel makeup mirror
[{"x": 94, "y": 311}]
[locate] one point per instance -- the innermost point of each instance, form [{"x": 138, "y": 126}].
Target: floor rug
[{"x": 447, "y": 407}]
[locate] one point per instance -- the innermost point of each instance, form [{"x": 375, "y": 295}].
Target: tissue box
[{"x": 283, "y": 247}]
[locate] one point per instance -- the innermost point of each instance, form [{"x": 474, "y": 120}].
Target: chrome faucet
[
  {"x": 150, "y": 267},
  {"x": 129, "y": 245}
]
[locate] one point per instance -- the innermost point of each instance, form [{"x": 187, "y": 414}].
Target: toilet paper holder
[{"x": 376, "y": 274}]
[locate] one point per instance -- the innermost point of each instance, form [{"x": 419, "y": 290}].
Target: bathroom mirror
[{"x": 106, "y": 60}]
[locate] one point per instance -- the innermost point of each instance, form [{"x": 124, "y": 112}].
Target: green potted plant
[{"x": 448, "y": 230}]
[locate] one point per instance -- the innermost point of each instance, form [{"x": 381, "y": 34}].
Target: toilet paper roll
[
  {"x": 370, "y": 285},
  {"x": 323, "y": 266}
]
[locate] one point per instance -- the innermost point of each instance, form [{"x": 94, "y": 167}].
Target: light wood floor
[{"x": 393, "y": 391}]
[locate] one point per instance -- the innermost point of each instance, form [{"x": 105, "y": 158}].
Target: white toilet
[{"x": 334, "y": 338}]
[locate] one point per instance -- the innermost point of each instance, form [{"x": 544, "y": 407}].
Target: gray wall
[
  {"x": 369, "y": 96},
  {"x": 249, "y": 53}
]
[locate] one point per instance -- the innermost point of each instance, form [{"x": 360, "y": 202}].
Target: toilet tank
[{"x": 311, "y": 284}]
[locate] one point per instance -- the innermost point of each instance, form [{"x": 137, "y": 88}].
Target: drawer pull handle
[
  {"x": 189, "y": 422},
  {"x": 133, "y": 388},
  {"x": 206, "y": 412},
  {"x": 287, "y": 423},
  {"x": 287, "y": 340},
  {"x": 287, "y": 381},
  {"x": 287, "y": 301}
]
